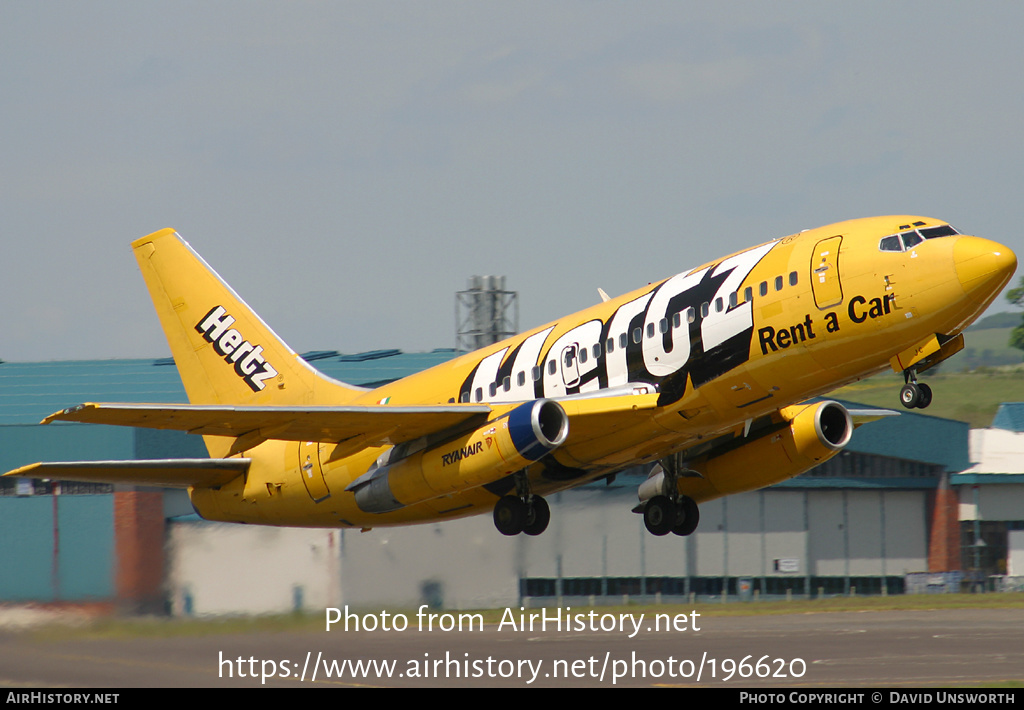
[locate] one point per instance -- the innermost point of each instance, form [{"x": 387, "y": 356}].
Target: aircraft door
[
  {"x": 828, "y": 291},
  {"x": 312, "y": 472},
  {"x": 569, "y": 364}
]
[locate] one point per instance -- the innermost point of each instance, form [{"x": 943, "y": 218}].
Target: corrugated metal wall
[{"x": 64, "y": 557}]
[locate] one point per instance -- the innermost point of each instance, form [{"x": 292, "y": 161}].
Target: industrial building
[{"x": 903, "y": 498}]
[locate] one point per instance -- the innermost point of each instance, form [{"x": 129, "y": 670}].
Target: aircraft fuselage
[{"x": 720, "y": 346}]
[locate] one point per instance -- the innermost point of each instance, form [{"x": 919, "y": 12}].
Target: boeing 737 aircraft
[{"x": 708, "y": 373}]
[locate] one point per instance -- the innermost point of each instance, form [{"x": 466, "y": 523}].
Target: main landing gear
[
  {"x": 522, "y": 512},
  {"x": 914, "y": 394},
  {"x": 664, "y": 509},
  {"x": 662, "y": 516}
]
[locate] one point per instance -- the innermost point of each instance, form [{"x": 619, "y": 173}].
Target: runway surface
[{"x": 826, "y": 650}]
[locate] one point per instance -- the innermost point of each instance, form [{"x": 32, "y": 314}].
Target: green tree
[{"x": 1016, "y": 297}]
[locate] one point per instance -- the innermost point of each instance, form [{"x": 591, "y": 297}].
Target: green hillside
[{"x": 972, "y": 397}]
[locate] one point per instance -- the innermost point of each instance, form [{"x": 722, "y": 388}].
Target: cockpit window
[
  {"x": 943, "y": 231},
  {"x": 910, "y": 239},
  {"x": 890, "y": 244}
]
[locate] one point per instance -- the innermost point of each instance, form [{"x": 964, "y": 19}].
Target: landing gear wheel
[
  {"x": 660, "y": 515},
  {"x": 690, "y": 517},
  {"x": 538, "y": 515},
  {"x": 910, "y": 395},
  {"x": 510, "y": 515},
  {"x": 924, "y": 395}
]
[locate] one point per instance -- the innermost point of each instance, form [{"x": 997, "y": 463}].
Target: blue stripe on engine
[{"x": 520, "y": 429}]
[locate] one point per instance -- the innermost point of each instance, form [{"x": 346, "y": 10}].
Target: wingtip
[
  {"x": 22, "y": 472},
  {"x": 66, "y": 414}
]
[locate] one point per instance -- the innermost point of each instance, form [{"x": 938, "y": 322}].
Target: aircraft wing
[
  {"x": 163, "y": 473},
  {"x": 591, "y": 416},
  {"x": 370, "y": 426},
  {"x": 862, "y": 415}
]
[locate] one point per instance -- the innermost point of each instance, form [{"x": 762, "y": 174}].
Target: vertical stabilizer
[{"x": 224, "y": 352}]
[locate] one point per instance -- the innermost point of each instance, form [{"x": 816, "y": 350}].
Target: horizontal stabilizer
[
  {"x": 162, "y": 473},
  {"x": 374, "y": 425}
]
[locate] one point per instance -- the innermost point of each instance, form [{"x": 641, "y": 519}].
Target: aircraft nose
[{"x": 983, "y": 266}]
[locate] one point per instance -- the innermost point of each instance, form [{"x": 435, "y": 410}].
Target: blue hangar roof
[{"x": 30, "y": 391}]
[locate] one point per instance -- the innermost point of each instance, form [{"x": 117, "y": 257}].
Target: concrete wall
[
  {"x": 997, "y": 501},
  {"x": 466, "y": 564},
  {"x": 222, "y": 568}
]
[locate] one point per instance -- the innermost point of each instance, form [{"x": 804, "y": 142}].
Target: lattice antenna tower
[{"x": 485, "y": 313}]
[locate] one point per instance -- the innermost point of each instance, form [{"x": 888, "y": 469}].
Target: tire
[
  {"x": 691, "y": 517},
  {"x": 510, "y": 515},
  {"x": 910, "y": 395},
  {"x": 660, "y": 515},
  {"x": 924, "y": 395},
  {"x": 537, "y": 517}
]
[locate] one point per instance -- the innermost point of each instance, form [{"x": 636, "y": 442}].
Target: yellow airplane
[{"x": 707, "y": 372}]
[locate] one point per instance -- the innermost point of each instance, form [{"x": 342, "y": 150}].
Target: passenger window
[
  {"x": 663, "y": 325},
  {"x": 479, "y": 393},
  {"x": 778, "y": 283},
  {"x": 492, "y": 389},
  {"x": 691, "y": 314},
  {"x": 506, "y": 384},
  {"x": 583, "y": 355},
  {"x": 552, "y": 367},
  {"x": 763, "y": 288},
  {"x": 650, "y": 330},
  {"x": 705, "y": 308},
  {"x": 748, "y": 294},
  {"x": 597, "y": 350},
  {"x": 521, "y": 378},
  {"x": 638, "y": 335},
  {"x": 890, "y": 244},
  {"x": 537, "y": 372},
  {"x": 734, "y": 298},
  {"x": 719, "y": 305},
  {"x": 623, "y": 340},
  {"x": 568, "y": 359},
  {"x": 792, "y": 278},
  {"x": 677, "y": 320},
  {"x": 464, "y": 397}
]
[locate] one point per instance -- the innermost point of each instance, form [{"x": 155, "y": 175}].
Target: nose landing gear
[{"x": 914, "y": 394}]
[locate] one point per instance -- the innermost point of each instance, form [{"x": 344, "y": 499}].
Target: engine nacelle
[
  {"x": 815, "y": 433},
  {"x": 500, "y": 447}
]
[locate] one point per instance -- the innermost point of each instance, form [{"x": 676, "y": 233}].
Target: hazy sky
[{"x": 347, "y": 165}]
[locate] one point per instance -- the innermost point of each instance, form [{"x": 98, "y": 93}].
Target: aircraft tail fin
[{"x": 224, "y": 352}]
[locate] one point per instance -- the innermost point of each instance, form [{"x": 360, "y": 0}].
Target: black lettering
[
  {"x": 853, "y": 314},
  {"x": 807, "y": 324},
  {"x": 783, "y": 339},
  {"x": 767, "y": 338},
  {"x": 832, "y": 322},
  {"x": 798, "y": 328}
]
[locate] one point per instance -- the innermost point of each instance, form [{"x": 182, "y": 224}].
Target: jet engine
[
  {"x": 500, "y": 447},
  {"x": 809, "y": 435}
]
